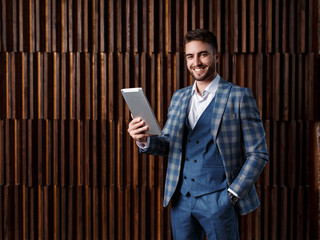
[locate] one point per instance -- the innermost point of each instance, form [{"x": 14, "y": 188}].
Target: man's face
[{"x": 201, "y": 60}]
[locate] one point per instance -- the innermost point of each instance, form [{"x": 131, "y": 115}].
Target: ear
[{"x": 217, "y": 56}]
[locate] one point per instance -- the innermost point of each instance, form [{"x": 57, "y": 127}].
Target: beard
[{"x": 209, "y": 73}]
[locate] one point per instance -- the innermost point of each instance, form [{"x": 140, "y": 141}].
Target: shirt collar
[{"x": 211, "y": 88}]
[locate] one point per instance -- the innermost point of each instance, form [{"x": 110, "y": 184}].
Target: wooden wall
[{"x": 68, "y": 169}]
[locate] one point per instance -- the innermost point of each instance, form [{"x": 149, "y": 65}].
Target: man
[{"x": 216, "y": 148}]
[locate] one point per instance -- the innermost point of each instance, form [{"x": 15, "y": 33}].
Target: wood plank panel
[
  {"x": 48, "y": 153},
  {"x": 25, "y": 212},
  {"x": 3, "y": 37},
  {"x": 2, "y": 153},
  {"x": 111, "y": 26},
  {"x": 3, "y": 84},
  {"x": 15, "y": 24},
  {"x": 61, "y": 146},
  {"x": 8, "y": 218},
  {"x": 235, "y": 23},
  {"x": 277, "y": 25},
  {"x": 31, "y": 83},
  {"x": 17, "y": 153},
  {"x": 252, "y": 26},
  {"x": 94, "y": 26},
  {"x": 284, "y": 27},
  {"x": 10, "y": 80},
  {"x": 32, "y": 28},
  {"x": 243, "y": 27}
]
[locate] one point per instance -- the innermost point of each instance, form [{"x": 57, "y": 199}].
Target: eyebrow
[{"x": 190, "y": 54}]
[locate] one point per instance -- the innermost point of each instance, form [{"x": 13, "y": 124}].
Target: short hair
[{"x": 203, "y": 35}]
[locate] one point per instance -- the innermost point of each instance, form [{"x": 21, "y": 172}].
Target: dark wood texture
[{"x": 69, "y": 170}]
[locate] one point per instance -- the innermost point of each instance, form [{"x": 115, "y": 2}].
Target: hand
[
  {"x": 233, "y": 198},
  {"x": 137, "y": 128}
]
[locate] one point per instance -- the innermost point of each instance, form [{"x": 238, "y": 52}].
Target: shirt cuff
[
  {"x": 142, "y": 146},
  {"x": 233, "y": 193}
]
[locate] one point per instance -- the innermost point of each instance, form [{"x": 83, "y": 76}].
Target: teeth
[{"x": 198, "y": 69}]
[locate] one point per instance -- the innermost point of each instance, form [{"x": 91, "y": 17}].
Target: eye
[
  {"x": 189, "y": 57},
  {"x": 204, "y": 54}
]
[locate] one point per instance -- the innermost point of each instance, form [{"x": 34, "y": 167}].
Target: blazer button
[
  {"x": 195, "y": 160},
  {"x": 197, "y": 142},
  {"x": 185, "y": 177},
  {"x": 192, "y": 179}
]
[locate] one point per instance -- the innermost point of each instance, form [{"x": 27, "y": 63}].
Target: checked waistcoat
[{"x": 203, "y": 170}]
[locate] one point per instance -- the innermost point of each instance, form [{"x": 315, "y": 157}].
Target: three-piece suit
[{"x": 237, "y": 134}]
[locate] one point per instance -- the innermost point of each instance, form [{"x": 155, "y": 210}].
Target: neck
[{"x": 201, "y": 85}]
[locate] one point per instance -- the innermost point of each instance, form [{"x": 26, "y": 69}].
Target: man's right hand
[{"x": 137, "y": 129}]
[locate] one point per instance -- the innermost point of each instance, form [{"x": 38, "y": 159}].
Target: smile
[{"x": 199, "y": 69}]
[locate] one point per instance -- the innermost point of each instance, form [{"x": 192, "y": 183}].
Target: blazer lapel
[
  {"x": 184, "y": 102},
  {"x": 219, "y": 106}
]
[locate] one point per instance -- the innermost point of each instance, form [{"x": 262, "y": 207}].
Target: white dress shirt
[{"x": 198, "y": 103}]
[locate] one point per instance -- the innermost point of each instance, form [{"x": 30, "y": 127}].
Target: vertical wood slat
[
  {"x": 2, "y": 154},
  {"x": 122, "y": 23},
  {"x": 71, "y": 21},
  {"x": 55, "y": 13},
  {"x": 20, "y": 25},
  {"x": 285, "y": 27},
  {"x": 269, "y": 28},
  {"x": 15, "y": 24},
  {"x": 277, "y": 24},
  {"x": 252, "y": 26},
  {"x": 17, "y": 152},
  {"x": 18, "y": 227},
  {"x": 3, "y": 40},
  {"x": 8, "y": 220},
  {"x": 243, "y": 25},
  {"x": 31, "y": 30},
  {"x": 10, "y": 80},
  {"x": 111, "y": 26},
  {"x": 235, "y": 23}
]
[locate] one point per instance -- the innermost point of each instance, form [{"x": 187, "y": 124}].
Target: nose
[{"x": 197, "y": 60}]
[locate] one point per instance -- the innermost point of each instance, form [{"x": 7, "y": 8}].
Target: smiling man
[{"x": 216, "y": 148}]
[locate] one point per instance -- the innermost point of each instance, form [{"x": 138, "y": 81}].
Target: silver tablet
[{"x": 140, "y": 107}]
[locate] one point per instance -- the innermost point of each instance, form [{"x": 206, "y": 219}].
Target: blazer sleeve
[
  {"x": 254, "y": 144},
  {"x": 159, "y": 146}
]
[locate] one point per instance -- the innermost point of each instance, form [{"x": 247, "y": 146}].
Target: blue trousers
[{"x": 212, "y": 213}]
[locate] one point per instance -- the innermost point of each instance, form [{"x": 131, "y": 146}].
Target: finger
[
  {"x": 135, "y": 120},
  {"x": 134, "y": 125},
  {"x": 137, "y": 131}
]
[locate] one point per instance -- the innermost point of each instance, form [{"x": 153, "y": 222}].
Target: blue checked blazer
[{"x": 238, "y": 132}]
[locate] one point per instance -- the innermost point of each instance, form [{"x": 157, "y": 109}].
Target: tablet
[{"x": 140, "y": 107}]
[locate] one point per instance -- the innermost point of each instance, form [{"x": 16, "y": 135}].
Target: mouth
[{"x": 199, "y": 69}]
